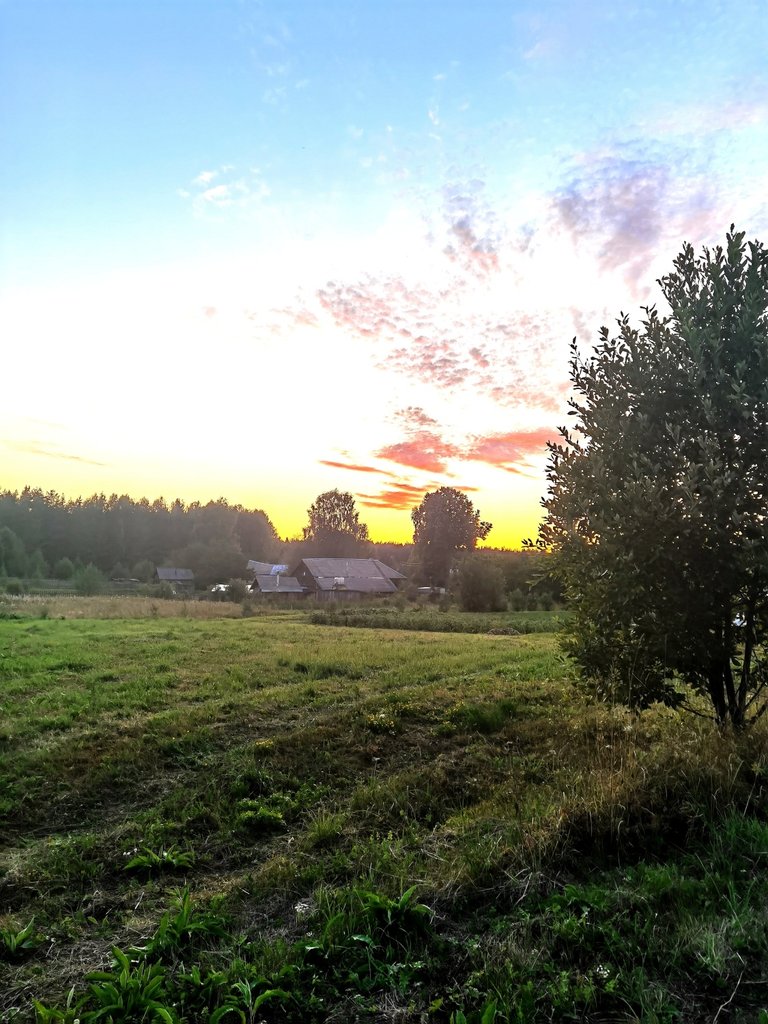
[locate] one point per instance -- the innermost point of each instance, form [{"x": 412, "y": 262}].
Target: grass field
[{"x": 263, "y": 819}]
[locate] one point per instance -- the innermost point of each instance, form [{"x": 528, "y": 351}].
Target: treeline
[{"x": 45, "y": 534}]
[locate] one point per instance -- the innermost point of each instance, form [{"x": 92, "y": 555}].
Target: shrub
[
  {"x": 63, "y": 569},
  {"x": 481, "y": 586},
  {"x": 238, "y": 591},
  {"x": 89, "y": 580}
]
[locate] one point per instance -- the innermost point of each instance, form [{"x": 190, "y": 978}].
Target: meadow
[{"x": 206, "y": 816}]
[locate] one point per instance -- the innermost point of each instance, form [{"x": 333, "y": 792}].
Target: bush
[
  {"x": 63, "y": 569},
  {"x": 143, "y": 570},
  {"x": 14, "y": 587},
  {"x": 481, "y": 586},
  {"x": 89, "y": 580},
  {"x": 238, "y": 591}
]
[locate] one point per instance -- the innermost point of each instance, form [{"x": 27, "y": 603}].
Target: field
[{"x": 262, "y": 818}]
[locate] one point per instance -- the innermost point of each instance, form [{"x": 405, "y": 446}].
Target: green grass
[
  {"x": 431, "y": 618},
  {"x": 265, "y": 819}
]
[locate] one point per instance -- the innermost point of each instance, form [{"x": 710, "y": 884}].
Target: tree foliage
[
  {"x": 106, "y": 531},
  {"x": 334, "y": 528},
  {"x": 444, "y": 523},
  {"x": 481, "y": 585},
  {"x": 658, "y": 495}
]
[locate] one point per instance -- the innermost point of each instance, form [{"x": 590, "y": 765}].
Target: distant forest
[
  {"x": 128, "y": 538},
  {"x": 45, "y": 534}
]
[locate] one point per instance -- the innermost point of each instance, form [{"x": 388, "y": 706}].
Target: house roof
[
  {"x": 266, "y": 583},
  {"x": 173, "y": 575},
  {"x": 362, "y": 575},
  {"x": 265, "y": 568},
  {"x": 351, "y": 568}
]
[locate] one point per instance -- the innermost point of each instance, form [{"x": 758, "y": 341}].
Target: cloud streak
[{"x": 48, "y": 451}]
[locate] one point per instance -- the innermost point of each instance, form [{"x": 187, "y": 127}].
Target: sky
[{"x": 261, "y": 249}]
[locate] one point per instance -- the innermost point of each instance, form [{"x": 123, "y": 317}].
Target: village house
[
  {"x": 179, "y": 579},
  {"x": 344, "y": 579}
]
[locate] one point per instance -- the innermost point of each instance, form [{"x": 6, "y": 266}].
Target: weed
[
  {"x": 183, "y": 924},
  {"x": 16, "y": 944},
  {"x": 170, "y": 859}
]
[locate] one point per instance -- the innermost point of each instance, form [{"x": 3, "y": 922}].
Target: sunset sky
[{"x": 263, "y": 249}]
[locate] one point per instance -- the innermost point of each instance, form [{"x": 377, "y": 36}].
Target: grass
[
  {"x": 435, "y": 620},
  {"x": 264, "y": 819}
]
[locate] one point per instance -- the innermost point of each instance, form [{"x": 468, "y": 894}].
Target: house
[
  {"x": 274, "y": 583},
  {"x": 346, "y": 578},
  {"x": 179, "y": 579}
]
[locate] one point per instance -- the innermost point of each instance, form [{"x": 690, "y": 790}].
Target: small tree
[
  {"x": 63, "y": 569},
  {"x": 658, "y": 495},
  {"x": 12, "y": 553},
  {"x": 444, "y": 523},
  {"x": 143, "y": 570},
  {"x": 89, "y": 580},
  {"x": 481, "y": 585},
  {"x": 37, "y": 566}
]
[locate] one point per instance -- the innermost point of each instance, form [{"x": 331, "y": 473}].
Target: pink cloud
[
  {"x": 424, "y": 450},
  {"x": 508, "y": 451},
  {"x": 399, "y": 496},
  {"x": 352, "y": 466}
]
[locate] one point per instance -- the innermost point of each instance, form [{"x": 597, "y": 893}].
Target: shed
[
  {"x": 274, "y": 583},
  {"x": 180, "y": 579}
]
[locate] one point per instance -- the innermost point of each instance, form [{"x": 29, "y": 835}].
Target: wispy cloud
[
  {"x": 231, "y": 190},
  {"x": 49, "y": 451},
  {"x": 403, "y": 496},
  {"x": 510, "y": 451},
  {"x": 423, "y": 450},
  {"x": 398, "y": 496},
  {"x": 623, "y": 205},
  {"x": 353, "y": 467}
]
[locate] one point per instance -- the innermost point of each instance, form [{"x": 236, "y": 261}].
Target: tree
[
  {"x": 37, "y": 567},
  {"x": 658, "y": 495},
  {"x": 63, "y": 569},
  {"x": 481, "y": 585},
  {"x": 334, "y": 527},
  {"x": 445, "y": 522},
  {"x": 12, "y": 553}
]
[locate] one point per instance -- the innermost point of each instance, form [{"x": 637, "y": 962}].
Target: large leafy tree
[
  {"x": 658, "y": 495},
  {"x": 334, "y": 528},
  {"x": 445, "y": 523}
]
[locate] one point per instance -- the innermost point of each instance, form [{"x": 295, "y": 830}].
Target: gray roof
[
  {"x": 351, "y": 568},
  {"x": 175, "y": 575},
  {"x": 265, "y": 568},
  {"x": 266, "y": 583}
]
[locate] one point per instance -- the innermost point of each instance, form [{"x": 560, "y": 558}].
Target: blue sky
[{"x": 266, "y": 249}]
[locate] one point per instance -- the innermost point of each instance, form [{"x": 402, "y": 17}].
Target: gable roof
[
  {"x": 275, "y": 584},
  {"x": 265, "y": 568},
  {"x": 351, "y": 568},
  {"x": 173, "y": 575},
  {"x": 362, "y": 575}
]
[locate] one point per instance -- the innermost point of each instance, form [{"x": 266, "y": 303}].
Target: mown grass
[{"x": 264, "y": 819}]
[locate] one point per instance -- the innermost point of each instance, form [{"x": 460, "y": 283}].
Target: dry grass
[{"x": 120, "y": 607}]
